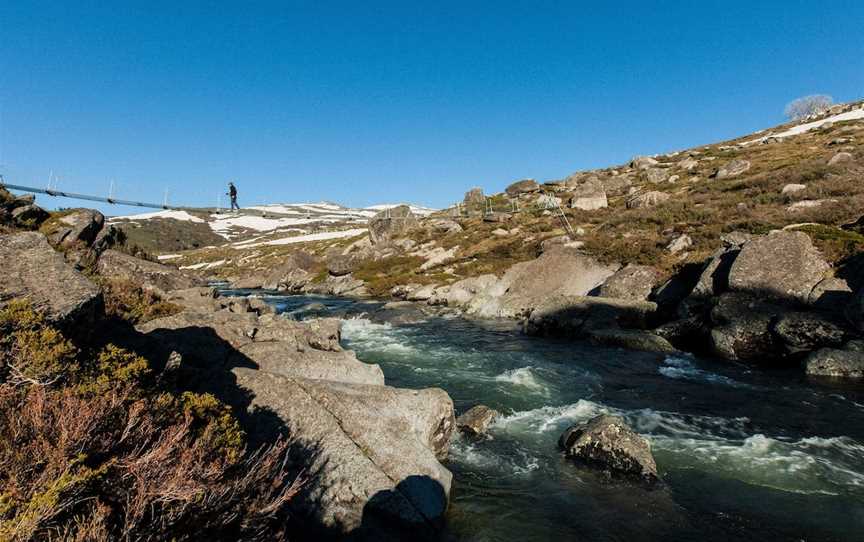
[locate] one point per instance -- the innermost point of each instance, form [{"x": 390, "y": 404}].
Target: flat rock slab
[
  {"x": 35, "y": 271},
  {"x": 372, "y": 451},
  {"x": 149, "y": 275},
  {"x": 835, "y": 363},
  {"x": 633, "y": 340},
  {"x": 223, "y": 338}
]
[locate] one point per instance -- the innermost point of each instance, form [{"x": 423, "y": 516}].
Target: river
[{"x": 744, "y": 454}]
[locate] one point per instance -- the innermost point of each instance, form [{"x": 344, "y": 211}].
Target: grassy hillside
[{"x": 701, "y": 205}]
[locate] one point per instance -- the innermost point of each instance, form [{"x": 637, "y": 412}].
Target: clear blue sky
[{"x": 369, "y": 102}]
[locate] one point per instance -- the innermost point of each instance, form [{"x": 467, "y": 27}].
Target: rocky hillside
[
  {"x": 710, "y": 247},
  {"x": 138, "y": 404},
  {"x": 248, "y": 228}
]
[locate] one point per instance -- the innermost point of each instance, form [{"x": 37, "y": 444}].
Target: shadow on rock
[{"x": 387, "y": 508}]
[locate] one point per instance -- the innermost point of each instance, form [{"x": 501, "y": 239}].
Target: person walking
[{"x": 232, "y": 193}]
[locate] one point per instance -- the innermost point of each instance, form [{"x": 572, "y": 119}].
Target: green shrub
[{"x": 132, "y": 303}]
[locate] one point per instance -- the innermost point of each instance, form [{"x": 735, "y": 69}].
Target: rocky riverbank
[
  {"x": 769, "y": 300},
  {"x": 368, "y": 454}
]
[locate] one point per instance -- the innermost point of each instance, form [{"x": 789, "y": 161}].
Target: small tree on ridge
[{"x": 808, "y": 105}]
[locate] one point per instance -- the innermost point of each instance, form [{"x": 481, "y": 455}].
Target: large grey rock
[
  {"x": 742, "y": 329},
  {"x": 460, "y": 293},
  {"x": 589, "y": 196},
  {"x": 561, "y": 271},
  {"x": 631, "y": 282},
  {"x": 783, "y": 265},
  {"x": 148, "y": 275},
  {"x": 647, "y": 199},
  {"x": 35, "y": 271},
  {"x": 832, "y": 294},
  {"x": 373, "y": 451},
  {"x": 346, "y": 285},
  {"x": 684, "y": 333},
  {"x": 391, "y": 223},
  {"x": 525, "y": 186},
  {"x": 343, "y": 264},
  {"x": 854, "y": 311},
  {"x": 444, "y": 225},
  {"x": 643, "y": 162},
  {"x": 733, "y": 169},
  {"x": 6, "y": 198},
  {"x": 680, "y": 243},
  {"x": 249, "y": 283},
  {"x": 23, "y": 200},
  {"x": 577, "y": 316},
  {"x": 655, "y": 175},
  {"x": 294, "y": 273},
  {"x": 840, "y": 158},
  {"x": 399, "y": 313},
  {"x": 835, "y": 363},
  {"x": 78, "y": 228},
  {"x": 476, "y": 420},
  {"x": 805, "y": 331},
  {"x": 632, "y": 339},
  {"x": 688, "y": 163},
  {"x": 714, "y": 279},
  {"x": 475, "y": 200},
  {"x": 497, "y": 217},
  {"x": 29, "y": 216},
  {"x": 606, "y": 442}
]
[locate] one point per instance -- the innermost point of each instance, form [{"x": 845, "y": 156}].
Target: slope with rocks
[
  {"x": 368, "y": 454},
  {"x": 683, "y": 242}
]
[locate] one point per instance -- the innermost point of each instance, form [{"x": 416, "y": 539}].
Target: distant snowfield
[
  {"x": 175, "y": 215},
  {"x": 204, "y": 265},
  {"x": 321, "y": 236},
  {"x": 279, "y": 224},
  {"x": 417, "y": 210},
  {"x": 222, "y": 223},
  {"x": 855, "y": 114}
]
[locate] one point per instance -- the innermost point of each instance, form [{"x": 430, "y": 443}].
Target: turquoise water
[{"x": 744, "y": 454}]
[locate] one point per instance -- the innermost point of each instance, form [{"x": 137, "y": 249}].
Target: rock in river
[
  {"x": 606, "y": 442},
  {"x": 476, "y": 420},
  {"x": 836, "y": 363}
]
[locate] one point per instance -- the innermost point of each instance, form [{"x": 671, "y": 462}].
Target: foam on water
[
  {"x": 378, "y": 337},
  {"x": 681, "y": 368},
  {"x": 523, "y": 376},
  {"x": 722, "y": 446},
  {"x": 479, "y": 455}
]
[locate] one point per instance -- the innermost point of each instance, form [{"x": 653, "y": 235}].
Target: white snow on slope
[
  {"x": 204, "y": 265},
  {"x": 303, "y": 238},
  {"x": 416, "y": 209},
  {"x": 223, "y": 223},
  {"x": 303, "y": 208},
  {"x": 855, "y": 114},
  {"x": 176, "y": 215}
]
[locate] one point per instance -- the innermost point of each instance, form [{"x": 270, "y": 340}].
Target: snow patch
[
  {"x": 303, "y": 238},
  {"x": 174, "y": 215},
  {"x": 855, "y": 114}
]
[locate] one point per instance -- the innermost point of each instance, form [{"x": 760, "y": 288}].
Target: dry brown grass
[{"x": 101, "y": 453}]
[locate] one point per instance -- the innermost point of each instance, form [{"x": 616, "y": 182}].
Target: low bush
[
  {"x": 91, "y": 448},
  {"x": 132, "y": 303}
]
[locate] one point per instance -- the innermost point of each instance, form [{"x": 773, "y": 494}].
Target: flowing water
[{"x": 743, "y": 454}]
